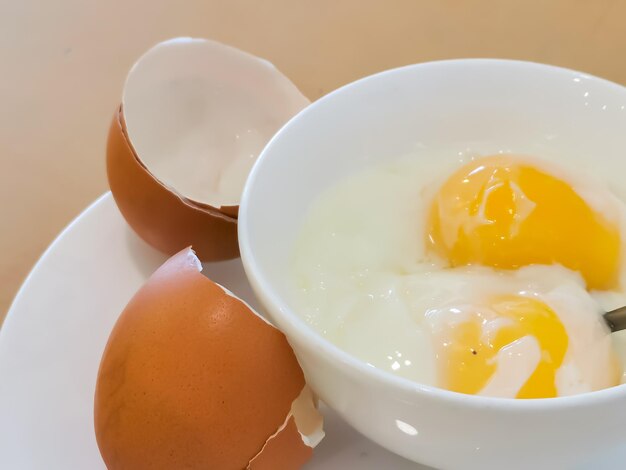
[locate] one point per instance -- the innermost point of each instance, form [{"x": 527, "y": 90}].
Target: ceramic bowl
[{"x": 496, "y": 105}]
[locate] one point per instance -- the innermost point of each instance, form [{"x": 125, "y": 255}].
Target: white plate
[{"x": 56, "y": 329}]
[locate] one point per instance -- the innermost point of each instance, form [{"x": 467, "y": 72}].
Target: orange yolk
[
  {"x": 502, "y": 212},
  {"x": 468, "y": 357}
]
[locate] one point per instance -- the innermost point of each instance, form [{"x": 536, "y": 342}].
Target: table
[{"x": 63, "y": 65}]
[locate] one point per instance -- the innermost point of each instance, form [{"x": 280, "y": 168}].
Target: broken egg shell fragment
[
  {"x": 198, "y": 113},
  {"x": 284, "y": 450},
  {"x": 192, "y": 377},
  {"x": 162, "y": 218},
  {"x": 292, "y": 445},
  {"x": 195, "y": 115}
]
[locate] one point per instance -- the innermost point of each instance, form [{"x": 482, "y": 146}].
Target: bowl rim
[{"x": 296, "y": 328}]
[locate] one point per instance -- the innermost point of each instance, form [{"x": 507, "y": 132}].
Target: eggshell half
[
  {"x": 192, "y": 378},
  {"x": 161, "y": 217},
  {"x": 195, "y": 115}
]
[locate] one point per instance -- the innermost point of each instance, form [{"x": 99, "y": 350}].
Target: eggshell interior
[
  {"x": 198, "y": 113},
  {"x": 191, "y": 377}
]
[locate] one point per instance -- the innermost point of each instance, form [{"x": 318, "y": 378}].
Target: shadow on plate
[{"x": 144, "y": 257}]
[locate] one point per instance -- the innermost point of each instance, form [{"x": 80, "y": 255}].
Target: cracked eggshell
[
  {"x": 195, "y": 115},
  {"x": 192, "y": 377},
  {"x": 161, "y": 217}
]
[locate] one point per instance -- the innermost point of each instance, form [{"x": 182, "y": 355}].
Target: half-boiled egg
[{"x": 489, "y": 276}]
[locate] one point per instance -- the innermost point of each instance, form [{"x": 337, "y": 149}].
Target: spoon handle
[{"x": 616, "y": 319}]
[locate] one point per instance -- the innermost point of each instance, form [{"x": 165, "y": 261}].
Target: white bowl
[{"x": 494, "y": 105}]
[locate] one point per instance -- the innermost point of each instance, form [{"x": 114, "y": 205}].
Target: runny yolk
[
  {"x": 502, "y": 212},
  {"x": 468, "y": 358}
]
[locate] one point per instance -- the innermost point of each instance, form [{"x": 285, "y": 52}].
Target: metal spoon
[{"x": 616, "y": 319}]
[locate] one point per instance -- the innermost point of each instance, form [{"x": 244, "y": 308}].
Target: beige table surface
[{"x": 63, "y": 63}]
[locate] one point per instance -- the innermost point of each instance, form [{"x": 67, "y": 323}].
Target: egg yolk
[
  {"x": 502, "y": 212},
  {"x": 468, "y": 358}
]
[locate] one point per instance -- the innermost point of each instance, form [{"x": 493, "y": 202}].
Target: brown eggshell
[
  {"x": 162, "y": 218},
  {"x": 192, "y": 378},
  {"x": 232, "y": 211},
  {"x": 285, "y": 450}
]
